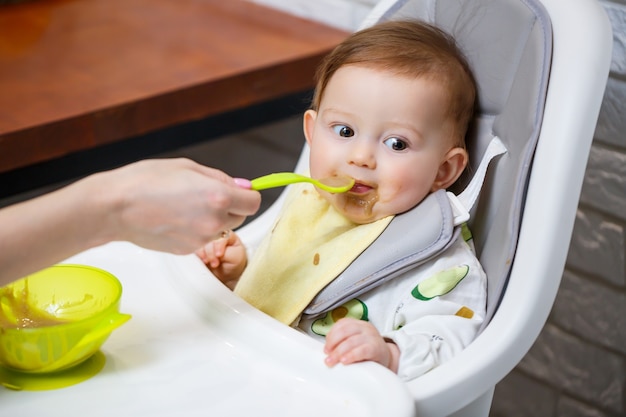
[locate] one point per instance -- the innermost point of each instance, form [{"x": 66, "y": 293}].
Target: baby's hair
[{"x": 411, "y": 49}]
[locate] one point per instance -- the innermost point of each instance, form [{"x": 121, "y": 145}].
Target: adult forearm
[
  {"x": 43, "y": 231},
  {"x": 171, "y": 205}
]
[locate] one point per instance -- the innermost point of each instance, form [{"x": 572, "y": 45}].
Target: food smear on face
[{"x": 364, "y": 201}]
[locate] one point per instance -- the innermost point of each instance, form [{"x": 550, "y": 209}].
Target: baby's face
[{"x": 387, "y": 132}]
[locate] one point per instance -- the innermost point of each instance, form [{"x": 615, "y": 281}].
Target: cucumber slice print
[
  {"x": 439, "y": 284},
  {"x": 355, "y": 309},
  {"x": 466, "y": 232}
]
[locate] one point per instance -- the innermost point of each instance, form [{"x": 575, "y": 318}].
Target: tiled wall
[{"x": 577, "y": 367}]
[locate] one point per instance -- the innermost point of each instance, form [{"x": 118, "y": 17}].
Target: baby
[{"x": 391, "y": 109}]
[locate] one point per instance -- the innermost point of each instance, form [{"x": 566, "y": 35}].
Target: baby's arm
[
  {"x": 351, "y": 340},
  {"x": 422, "y": 334},
  {"x": 225, "y": 257}
]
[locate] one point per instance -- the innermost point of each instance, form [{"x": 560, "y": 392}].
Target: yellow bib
[{"x": 310, "y": 245}]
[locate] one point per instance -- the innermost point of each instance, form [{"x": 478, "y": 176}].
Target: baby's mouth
[{"x": 360, "y": 188}]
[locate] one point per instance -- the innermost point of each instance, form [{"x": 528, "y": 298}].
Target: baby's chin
[
  {"x": 357, "y": 208},
  {"x": 364, "y": 219}
]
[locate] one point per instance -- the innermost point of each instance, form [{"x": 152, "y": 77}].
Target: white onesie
[{"x": 429, "y": 329}]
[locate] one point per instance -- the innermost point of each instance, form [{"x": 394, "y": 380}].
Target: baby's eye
[
  {"x": 395, "y": 144},
  {"x": 343, "y": 131}
]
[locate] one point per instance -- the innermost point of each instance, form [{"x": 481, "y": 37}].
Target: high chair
[
  {"x": 541, "y": 67},
  {"x": 194, "y": 348}
]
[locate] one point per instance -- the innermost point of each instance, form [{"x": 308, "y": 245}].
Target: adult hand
[
  {"x": 172, "y": 205},
  {"x": 175, "y": 205}
]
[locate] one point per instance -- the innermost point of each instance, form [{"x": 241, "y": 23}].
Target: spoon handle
[{"x": 277, "y": 179}]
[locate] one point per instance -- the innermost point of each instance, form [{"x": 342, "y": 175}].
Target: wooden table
[{"x": 79, "y": 74}]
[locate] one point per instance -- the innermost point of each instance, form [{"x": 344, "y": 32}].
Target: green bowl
[{"x": 57, "y": 318}]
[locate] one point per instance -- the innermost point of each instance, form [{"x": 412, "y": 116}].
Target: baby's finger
[
  {"x": 201, "y": 253},
  {"x": 340, "y": 331},
  {"x": 219, "y": 247},
  {"x": 208, "y": 256},
  {"x": 230, "y": 237},
  {"x": 343, "y": 352},
  {"x": 207, "y": 253}
]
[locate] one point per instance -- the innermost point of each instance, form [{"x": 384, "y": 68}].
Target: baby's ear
[
  {"x": 308, "y": 124},
  {"x": 451, "y": 168}
]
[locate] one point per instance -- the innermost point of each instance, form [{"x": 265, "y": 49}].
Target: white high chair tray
[{"x": 194, "y": 348}]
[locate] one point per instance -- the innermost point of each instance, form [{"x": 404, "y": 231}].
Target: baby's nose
[{"x": 363, "y": 155}]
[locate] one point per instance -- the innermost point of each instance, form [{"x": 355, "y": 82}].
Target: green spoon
[{"x": 280, "y": 179}]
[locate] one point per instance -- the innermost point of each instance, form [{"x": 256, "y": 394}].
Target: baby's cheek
[{"x": 405, "y": 198}]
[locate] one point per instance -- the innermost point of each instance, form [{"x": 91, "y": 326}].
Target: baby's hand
[
  {"x": 351, "y": 340},
  {"x": 225, "y": 257}
]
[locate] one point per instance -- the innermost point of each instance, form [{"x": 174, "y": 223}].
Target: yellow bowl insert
[{"x": 57, "y": 318}]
